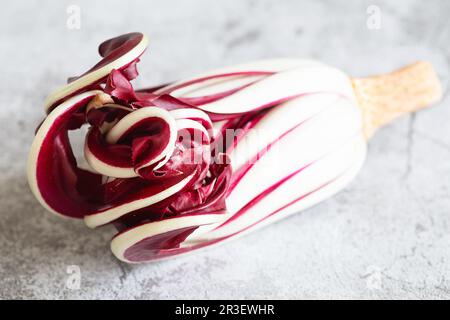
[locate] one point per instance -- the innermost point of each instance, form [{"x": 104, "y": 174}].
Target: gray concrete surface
[{"x": 386, "y": 236}]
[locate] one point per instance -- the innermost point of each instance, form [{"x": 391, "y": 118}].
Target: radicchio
[{"x": 178, "y": 167}]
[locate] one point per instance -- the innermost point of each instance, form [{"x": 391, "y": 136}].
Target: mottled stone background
[{"x": 385, "y": 236}]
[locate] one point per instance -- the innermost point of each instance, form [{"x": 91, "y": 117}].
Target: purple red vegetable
[{"x": 189, "y": 164}]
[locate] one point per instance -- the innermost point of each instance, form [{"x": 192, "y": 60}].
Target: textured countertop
[{"x": 387, "y": 235}]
